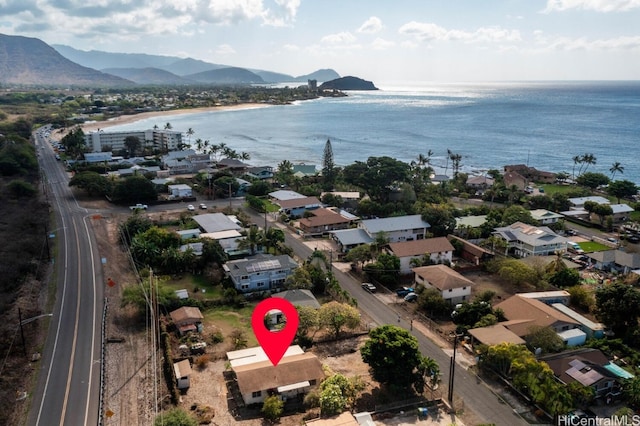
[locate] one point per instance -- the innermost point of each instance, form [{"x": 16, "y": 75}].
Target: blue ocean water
[{"x": 542, "y": 124}]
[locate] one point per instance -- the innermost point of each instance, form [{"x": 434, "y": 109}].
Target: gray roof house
[
  {"x": 527, "y": 240},
  {"x": 260, "y": 273},
  {"x": 216, "y": 222},
  {"x": 615, "y": 260},
  {"x": 395, "y": 229}
]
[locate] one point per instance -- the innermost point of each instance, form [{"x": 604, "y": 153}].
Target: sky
[{"x": 378, "y": 40}]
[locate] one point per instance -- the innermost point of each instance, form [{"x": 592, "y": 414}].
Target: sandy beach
[{"x": 132, "y": 118}]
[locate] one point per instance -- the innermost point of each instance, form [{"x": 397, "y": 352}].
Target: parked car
[
  {"x": 190, "y": 207},
  {"x": 203, "y": 206},
  {"x": 411, "y": 297},
  {"x": 403, "y": 291},
  {"x": 369, "y": 287}
]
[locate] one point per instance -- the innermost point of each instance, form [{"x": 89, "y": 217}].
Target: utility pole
[
  {"x": 24, "y": 344},
  {"x": 452, "y": 370}
]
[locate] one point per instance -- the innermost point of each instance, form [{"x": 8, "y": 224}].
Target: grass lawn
[
  {"x": 191, "y": 282},
  {"x": 271, "y": 208},
  {"x": 590, "y": 246},
  {"x": 227, "y": 319}
]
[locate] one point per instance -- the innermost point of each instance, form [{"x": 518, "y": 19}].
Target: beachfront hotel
[{"x": 160, "y": 139}]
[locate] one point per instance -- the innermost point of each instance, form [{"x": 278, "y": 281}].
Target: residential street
[{"x": 476, "y": 396}]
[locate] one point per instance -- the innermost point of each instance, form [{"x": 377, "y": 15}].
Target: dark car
[
  {"x": 369, "y": 287},
  {"x": 403, "y": 291},
  {"x": 411, "y": 297}
]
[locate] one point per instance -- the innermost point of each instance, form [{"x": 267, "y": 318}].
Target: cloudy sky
[{"x": 378, "y": 40}]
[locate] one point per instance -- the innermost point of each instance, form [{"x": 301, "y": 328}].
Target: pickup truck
[{"x": 139, "y": 207}]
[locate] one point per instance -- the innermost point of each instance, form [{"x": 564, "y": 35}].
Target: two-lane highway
[{"x": 68, "y": 386}]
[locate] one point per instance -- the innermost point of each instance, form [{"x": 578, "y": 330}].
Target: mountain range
[{"x": 32, "y": 62}]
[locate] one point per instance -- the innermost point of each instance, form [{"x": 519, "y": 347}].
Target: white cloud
[
  {"x": 339, "y": 38},
  {"x": 424, "y": 31},
  {"x": 371, "y": 25},
  {"x": 382, "y": 44},
  {"x": 225, "y": 49},
  {"x": 582, "y": 43},
  {"x": 593, "y": 5},
  {"x": 291, "y": 47}
]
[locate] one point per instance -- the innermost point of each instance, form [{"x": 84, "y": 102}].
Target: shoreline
[{"x": 91, "y": 126}]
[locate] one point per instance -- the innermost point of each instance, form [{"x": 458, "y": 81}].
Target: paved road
[
  {"x": 476, "y": 394},
  {"x": 67, "y": 392}
]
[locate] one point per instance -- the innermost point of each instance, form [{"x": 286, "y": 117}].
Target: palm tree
[
  {"x": 576, "y": 160},
  {"x": 447, "y": 163},
  {"x": 190, "y": 132},
  {"x": 616, "y": 168},
  {"x": 588, "y": 159}
]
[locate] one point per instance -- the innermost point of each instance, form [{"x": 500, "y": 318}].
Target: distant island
[{"x": 347, "y": 83}]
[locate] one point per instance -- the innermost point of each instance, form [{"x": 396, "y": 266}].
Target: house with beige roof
[
  {"x": 298, "y": 206},
  {"x": 522, "y": 313},
  {"x": 437, "y": 250},
  {"x": 454, "y": 287},
  {"x": 294, "y": 376}
]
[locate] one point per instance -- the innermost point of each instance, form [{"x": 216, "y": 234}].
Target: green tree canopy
[
  {"x": 393, "y": 355},
  {"x": 618, "y": 306},
  {"x": 440, "y": 217},
  {"x": 622, "y": 189},
  {"x": 92, "y": 182},
  {"x": 592, "y": 180},
  {"x": 134, "y": 189},
  {"x": 335, "y": 316},
  {"x": 272, "y": 408}
]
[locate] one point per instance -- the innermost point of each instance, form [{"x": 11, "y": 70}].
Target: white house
[
  {"x": 454, "y": 287},
  {"x": 438, "y": 250},
  {"x": 545, "y": 217},
  {"x": 527, "y": 240},
  {"x": 396, "y": 229},
  {"x": 180, "y": 190}
]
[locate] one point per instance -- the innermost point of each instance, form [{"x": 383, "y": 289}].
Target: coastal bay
[{"x": 491, "y": 125}]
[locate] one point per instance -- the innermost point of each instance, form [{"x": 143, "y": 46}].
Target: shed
[
  {"x": 573, "y": 337},
  {"x": 182, "y": 371}
]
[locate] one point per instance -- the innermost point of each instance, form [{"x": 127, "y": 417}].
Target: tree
[
  {"x": 300, "y": 279},
  {"x": 431, "y": 301},
  {"x": 622, "y": 189},
  {"x": 616, "y": 168},
  {"x": 386, "y": 269},
  {"x": 92, "y": 182},
  {"x": 338, "y": 393},
  {"x": 631, "y": 391},
  {"x": 19, "y": 188},
  {"x": 134, "y": 189},
  {"x": 565, "y": 278},
  {"x": 618, "y": 306},
  {"x": 516, "y": 272},
  {"x": 359, "y": 254},
  {"x": 544, "y": 338},
  {"x": 308, "y": 319},
  {"x": 175, "y": 417},
  {"x": 252, "y": 240},
  {"x": 393, "y": 355},
  {"x": 592, "y": 180},
  {"x": 581, "y": 297},
  {"x": 328, "y": 167},
  {"x": 272, "y": 408},
  {"x": 335, "y": 316},
  {"x": 440, "y": 217},
  {"x": 602, "y": 211},
  {"x": 133, "y": 145},
  {"x": 138, "y": 296}
]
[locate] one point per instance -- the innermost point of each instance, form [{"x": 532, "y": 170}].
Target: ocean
[{"x": 541, "y": 124}]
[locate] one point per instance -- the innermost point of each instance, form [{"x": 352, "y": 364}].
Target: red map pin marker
[{"x": 275, "y": 343}]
